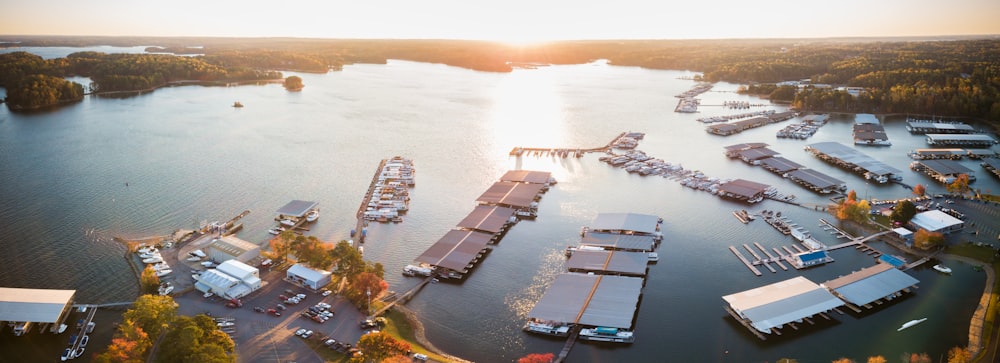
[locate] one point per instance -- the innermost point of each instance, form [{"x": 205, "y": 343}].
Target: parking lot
[{"x": 265, "y": 337}]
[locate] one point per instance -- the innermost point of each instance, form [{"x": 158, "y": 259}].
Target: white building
[
  {"x": 937, "y": 221},
  {"x": 304, "y": 276},
  {"x": 231, "y": 279},
  {"x": 231, "y": 248}
]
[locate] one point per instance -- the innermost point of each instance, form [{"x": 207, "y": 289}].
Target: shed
[
  {"x": 231, "y": 248},
  {"x": 304, "y": 276}
]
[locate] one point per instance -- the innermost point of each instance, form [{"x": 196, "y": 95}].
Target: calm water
[{"x": 188, "y": 157}]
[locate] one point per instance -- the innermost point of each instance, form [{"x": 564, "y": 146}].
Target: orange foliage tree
[
  {"x": 925, "y": 239},
  {"x": 537, "y": 358},
  {"x": 919, "y": 190}
]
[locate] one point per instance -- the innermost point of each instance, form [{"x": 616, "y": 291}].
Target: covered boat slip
[
  {"x": 974, "y": 140},
  {"x": 516, "y": 195},
  {"x": 626, "y": 222},
  {"x": 780, "y": 165},
  {"x": 871, "y": 284},
  {"x": 456, "y": 250},
  {"x": 744, "y": 190},
  {"x": 590, "y": 300},
  {"x": 34, "y": 305},
  {"x": 933, "y": 127},
  {"x": 609, "y": 262},
  {"x": 943, "y": 170},
  {"x": 619, "y": 242},
  {"x": 817, "y": 181},
  {"x": 993, "y": 165},
  {"x": 733, "y": 151},
  {"x": 753, "y": 156},
  {"x": 296, "y": 208},
  {"x": 771, "y": 306},
  {"x": 487, "y": 218},
  {"x": 850, "y": 158},
  {"x": 527, "y": 176}
]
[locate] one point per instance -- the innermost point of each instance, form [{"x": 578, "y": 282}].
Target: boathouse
[
  {"x": 981, "y": 153},
  {"x": 733, "y": 151},
  {"x": 609, "y": 263},
  {"x": 927, "y": 154},
  {"x": 933, "y": 127},
  {"x": 944, "y": 171},
  {"x": 590, "y": 300},
  {"x": 992, "y": 165},
  {"x": 810, "y": 258},
  {"x": 755, "y": 155},
  {"x": 853, "y": 160},
  {"x": 35, "y": 306},
  {"x": 870, "y": 133},
  {"x": 969, "y": 140},
  {"x": 457, "y": 250},
  {"x": 295, "y": 210},
  {"x": 512, "y": 194},
  {"x": 780, "y": 165},
  {"x": 743, "y": 190},
  {"x": 768, "y": 308},
  {"x": 527, "y": 176},
  {"x": 231, "y": 279},
  {"x": 305, "y": 276},
  {"x": 488, "y": 218},
  {"x": 627, "y": 223},
  {"x": 817, "y": 181},
  {"x": 619, "y": 242},
  {"x": 871, "y": 285},
  {"x": 726, "y": 129},
  {"x": 230, "y": 247},
  {"x": 937, "y": 221}
]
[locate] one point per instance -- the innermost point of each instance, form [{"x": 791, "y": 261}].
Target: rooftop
[
  {"x": 619, "y": 241},
  {"x": 774, "y": 305},
  {"x": 743, "y": 188},
  {"x": 946, "y": 167},
  {"x": 640, "y": 223},
  {"x": 297, "y": 208},
  {"x": 613, "y": 262},
  {"x": 232, "y": 245},
  {"x": 815, "y": 178},
  {"x": 852, "y": 156},
  {"x": 934, "y": 220},
  {"x": 487, "y": 218},
  {"x": 456, "y": 250},
  {"x": 35, "y": 305},
  {"x": 780, "y": 165},
  {"x": 594, "y": 300},
  {"x": 527, "y": 176},
  {"x": 517, "y": 195},
  {"x": 871, "y": 283}
]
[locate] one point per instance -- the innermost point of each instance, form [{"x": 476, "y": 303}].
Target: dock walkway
[
  {"x": 574, "y": 333},
  {"x": 405, "y": 297},
  {"x": 564, "y": 152},
  {"x": 360, "y": 225}
]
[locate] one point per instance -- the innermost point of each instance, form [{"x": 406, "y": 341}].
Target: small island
[{"x": 294, "y": 83}]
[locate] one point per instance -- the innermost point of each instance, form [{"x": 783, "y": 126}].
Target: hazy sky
[{"x": 509, "y": 20}]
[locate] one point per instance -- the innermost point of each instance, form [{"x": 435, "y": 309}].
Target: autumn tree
[
  {"x": 294, "y": 83},
  {"x": 364, "y": 283},
  {"x": 537, "y": 358},
  {"x": 853, "y": 209},
  {"x": 878, "y": 358},
  {"x": 904, "y": 211},
  {"x": 312, "y": 252},
  {"x": 149, "y": 283},
  {"x": 916, "y": 358},
  {"x": 377, "y": 347},
  {"x": 281, "y": 246},
  {"x": 129, "y": 345},
  {"x": 959, "y": 355},
  {"x": 843, "y": 360},
  {"x": 919, "y": 190},
  {"x": 960, "y": 185},
  {"x": 152, "y": 313},
  {"x": 925, "y": 239}
]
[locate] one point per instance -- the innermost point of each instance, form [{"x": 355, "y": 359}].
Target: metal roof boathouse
[
  {"x": 619, "y": 242},
  {"x": 944, "y": 171},
  {"x": 626, "y": 223},
  {"x": 609, "y": 263},
  {"x": 511, "y": 194},
  {"x": 968, "y": 140},
  {"x": 871, "y": 285},
  {"x": 30, "y": 306},
  {"x": 457, "y": 250},
  {"x": 488, "y": 218},
  {"x": 768, "y": 308},
  {"x": 590, "y": 300},
  {"x": 848, "y": 158}
]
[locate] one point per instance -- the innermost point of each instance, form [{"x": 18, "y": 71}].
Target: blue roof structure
[
  {"x": 817, "y": 255},
  {"x": 892, "y": 260}
]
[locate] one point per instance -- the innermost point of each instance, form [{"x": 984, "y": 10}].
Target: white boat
[
  {"x": 161, "y": 266},
  {"x": 162, "y": 273},
  {"x": 312, "y": 216},
  {"x": 149, "y": 254},
  {"x": 194, "y": 258},
  {"x": 166, "y": 290},
  {"x": 276, "y": 231},
  {"x": 198, "y": 253},
  {"x": 605, "y": 334},
  {"x": 942, "y": 269},
  {"x": 548, "y": 328},
  {"x": 62, "y": 328},
  {"x": 287, "y": 222},
  {"x": 155, "y": 259},
  {"x": 208, "y": 263},
  {"x": 911, "y": 323},
  {"x": 653, "y": 257},
  {"x": 413, "y": 270}
]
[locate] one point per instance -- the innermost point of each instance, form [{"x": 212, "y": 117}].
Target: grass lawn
[
  {"x": 984, "y": 253},
  {"x": 399, "y": 327}
]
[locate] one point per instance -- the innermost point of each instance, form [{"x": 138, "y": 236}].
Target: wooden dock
[
  {"x": 564, "y": 152},
  {"x": 574, "y": 332},
  {"x": 405, "y": 297},
  {"x": 745, "y": 262}
]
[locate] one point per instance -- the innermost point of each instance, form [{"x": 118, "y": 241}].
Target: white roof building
[
  {"x": 231, "y": 279},
  {"x": 34, "y": 305},
  {"x": 774, "y": 305},
  {"x": 937, "y": 221},
  {"x": 304, "y": 276}
]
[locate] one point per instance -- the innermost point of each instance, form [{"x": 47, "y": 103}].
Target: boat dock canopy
[
  {"x": 34, "y": 305},
  {"x": 750, "y": 155},
  {"x": 871, "y": 283},
  {"x": 594, "y": 300},
  {"x": 816, "y": 180},
  {"x": 638, "y": 223},
  {"x": 993, "y": 165},
  {"x": 516, "y": 195},
  {"x": 456, "y": 250},
  {"x": 945, "y": 167},
  {"x": 620, "y": 242},
  {"x": 774, "y": 305},
  {"x": 297, "y": 208},
  {"x": 980, "y": 140},
  {"x": 609, "y": 262},
  {"x": 931, "y": 127},
  {"x": 744, "y": 189},
  {"x": 853, "y": 157},
  {"x": 526, "y": 176},
  {"x": 487, "y": 218},
  {"x": 780, "y": 165}
]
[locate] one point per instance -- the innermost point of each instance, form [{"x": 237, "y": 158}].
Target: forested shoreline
[{"x": 957, "y": 77}]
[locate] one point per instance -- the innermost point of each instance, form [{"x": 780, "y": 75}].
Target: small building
[
  {"x": 304, "y": 276},
  {"x": 768, "y": 308},
  {"x": 745, "y": 190},
  {"x": 937, "y": 221},
  {"x": 27, "y": 307},
  {"x": 247, "y": 274},
  {"x": 810, "y": 258},
  {"x": 230, "y": 247},
  {"x": 904, "y": 234}
]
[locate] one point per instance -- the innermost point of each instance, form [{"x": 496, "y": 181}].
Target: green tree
[
  {"x": 196, "y": 339},
  {"x": 149, "y": 283},
  {"x": 348, "y": 259},
  {"x": 378, "y": 346},
  {"x": 152, "y": 313},
  {"x": 294, "y": 83},
  {"x": 783, "y": 93},
  {"x": 903, "y": 212}
]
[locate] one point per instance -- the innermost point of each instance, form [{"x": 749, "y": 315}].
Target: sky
[{"x": 516, "y": 21}]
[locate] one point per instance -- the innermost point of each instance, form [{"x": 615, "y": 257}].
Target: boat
[
  {"x": 198, "y": 253},
  {"x": 62, "y": 328},
  {"x": 287, "y": 222},
  {"x": 606, "y": 334},
  {"x": 162, "y": 273},
  {"x": 276, "y": 231},
  {"x": 154, "y": 259},
  {"x": 911, "y": 323},
  {"x": 312, "y": 216},
  {"x": 548, "y": 328},
  {"x": 66, "y": 355},
  {"x": 413, "y": 270},
  {"x": 653, "y": 257},
  {"x": 79, "y": 352},
  {"x": 208, "y": 263},
  {"x": 166, "y": 289},
  {"x": 90, "y": 327},
  {"x": 161, "y": 266},
  {"x": 193, "y": 259},
  {"x": 942, "y": 269},
  {"x": 237, "y": 104}
]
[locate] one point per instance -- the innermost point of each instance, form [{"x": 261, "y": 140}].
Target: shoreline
[{"x": 420, "y": 335}]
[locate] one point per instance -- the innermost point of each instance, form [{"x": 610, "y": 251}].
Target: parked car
[
  {"x": 282, "y": 307},
  {"x": 330, "y": 342},
  {"x": 307, "y": 334},
  {"x": 326, "y": 292},
  {"x": 300, "y": 332},
  {"x": 258, "y": 309},
  {"x": 419, "y": 356},
  {"x": 273, "y": 312}
]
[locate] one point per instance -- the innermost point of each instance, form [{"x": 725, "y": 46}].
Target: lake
[{"x": 77, "y": 176}]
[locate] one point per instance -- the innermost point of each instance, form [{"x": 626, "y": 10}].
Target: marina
[
  {"x": 916, "y": 126},
  {"x": 869, "y": 132},
  {"x": 805, "y": 129},
  {"x": 688, "y": 103},
  {"x": 853, "y": 160},
  {"x": 388, "y": 196},
  {"x": 759, "y": 154},
  {"x": 732, "y": 128},
  {"x": 966, "y": 140},
  {"x": 943, "y": 171},
  {"x": 992, "y": 165}
]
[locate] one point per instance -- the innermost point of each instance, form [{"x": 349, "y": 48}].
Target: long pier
[
  {"x": 574, "y": 332},
  {"x": 745, "y": 262},
  {"x": 405, "y": 297},
  {"x": 359, "y": 227},
  {"x": 564, "y": 152}
]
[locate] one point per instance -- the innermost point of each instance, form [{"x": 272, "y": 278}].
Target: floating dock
[
  {"x": 915, "y": 126},
  {"x": 732, "y": 128},
  {"x": 968, "y": 140},
  {"x": 853, "y": 160}
]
